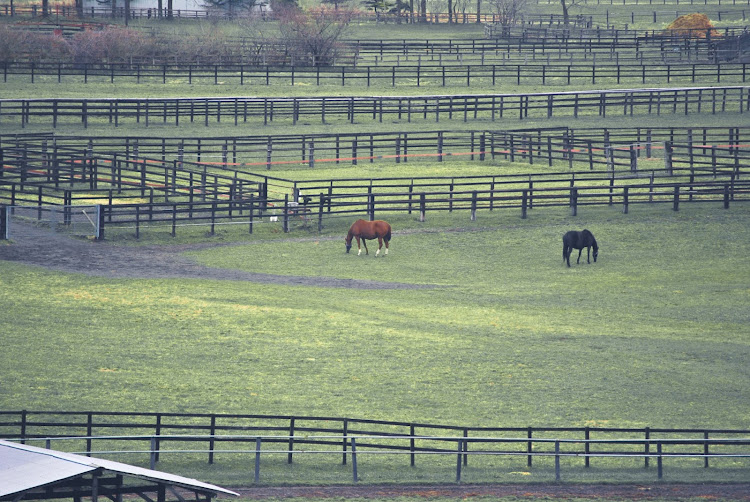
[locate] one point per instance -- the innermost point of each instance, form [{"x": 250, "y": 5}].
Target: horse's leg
[
  {"x": 359, "y": 248},
  {"x": 386, "y": 247},
  {"x": 380, "y": 245},
  {"x": 364, "y": 243},
  {"x": 588, "y": 255},
  {"x": 579, "y": 255}
]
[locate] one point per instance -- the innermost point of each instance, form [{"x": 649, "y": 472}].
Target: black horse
[{"x": 579, "y": 240}]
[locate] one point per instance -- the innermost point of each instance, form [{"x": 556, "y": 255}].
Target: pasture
[{"x": 652, "y": 334}]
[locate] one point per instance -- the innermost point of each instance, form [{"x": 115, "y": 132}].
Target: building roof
[{"x": 24, "y": 468}]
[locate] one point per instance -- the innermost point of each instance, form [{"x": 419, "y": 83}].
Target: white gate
[{"x": 79, "y": 221}]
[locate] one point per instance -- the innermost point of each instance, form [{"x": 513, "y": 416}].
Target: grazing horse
[
  {"x": 362, "y": 229},
  {"x": 579, "y": 240}
]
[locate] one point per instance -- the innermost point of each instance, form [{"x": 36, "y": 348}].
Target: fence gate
[
  {"x": 645, "y": 156},
  {"x": 78, "y": 221}
]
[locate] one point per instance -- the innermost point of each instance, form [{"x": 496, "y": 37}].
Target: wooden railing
[{"x": 99, "y": 433}]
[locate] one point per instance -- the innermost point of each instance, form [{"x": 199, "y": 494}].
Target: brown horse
[{"x": 362, "y": 229}]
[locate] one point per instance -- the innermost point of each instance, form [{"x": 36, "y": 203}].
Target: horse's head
[
  {"x": 348, "y": 242},
  {"x": 596, "y": 251}
]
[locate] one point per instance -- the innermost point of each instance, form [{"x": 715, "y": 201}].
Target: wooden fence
[
  {"x": 622, "y": 102},
  {"x": 139, "y": 191},
  {"x": 246, "y": 154},
  {"x": 610, "y": 149},
  {"x": 461, "y": 195},
  {"x": 535, "y": 72},
  {"x": 85, "y": 430}
]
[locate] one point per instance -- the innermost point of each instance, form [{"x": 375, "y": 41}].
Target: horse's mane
[{"x": 587, "y": 233}]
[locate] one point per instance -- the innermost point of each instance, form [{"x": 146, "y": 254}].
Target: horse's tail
[{"x": 388, "y": 235}]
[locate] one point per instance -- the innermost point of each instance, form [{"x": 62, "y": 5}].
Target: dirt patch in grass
[{"x": 34, "y": 246}]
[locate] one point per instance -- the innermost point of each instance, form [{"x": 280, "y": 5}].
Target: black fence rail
[
  {"x": 160, "y": 432},
  {"x": 462, "y": 195},
  {"x": 615, "y": 148},
  {"x": 423, "y": 74},
  {"x": 621, "y": 102},
  {"x": 142, "y": 191}
]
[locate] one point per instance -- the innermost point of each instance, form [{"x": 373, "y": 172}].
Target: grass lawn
[{"x": 655, "y": 333}]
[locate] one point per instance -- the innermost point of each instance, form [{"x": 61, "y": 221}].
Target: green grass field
[{"x": 653, "y": 334}]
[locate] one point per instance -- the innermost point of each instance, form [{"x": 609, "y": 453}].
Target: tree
[
  {"x": 509, "y": 11},
  {"x": 313, "y": 35},
  {"x": 566, "y": 6}
]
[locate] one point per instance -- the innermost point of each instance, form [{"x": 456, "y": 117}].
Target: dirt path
[
  {"x": 739, "y": 492},
  {"x": 33, "y": 246}
]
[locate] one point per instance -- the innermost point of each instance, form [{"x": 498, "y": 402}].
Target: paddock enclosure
[
  {"x": 175, "y": 181},
  {"x": 472, "y": 138}
]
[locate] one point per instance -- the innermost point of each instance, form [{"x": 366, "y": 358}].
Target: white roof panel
[
  {"x": 25, "y": 467},
  {"x": 21, "y": 470}
]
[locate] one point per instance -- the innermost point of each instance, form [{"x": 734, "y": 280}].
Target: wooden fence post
[
  {"x": 257, "y": 460},
  {"x": 421, "y": 206},
  {"x": 625, "y": 200},
  {"x": 371, "y": 204},
  {"x": 152, "y": 463},
  {"x": 354, "y": 460},
  {"x": 726, "y": 197},
  {"x": 474, "y": 205},
  {"x": 529, "y": 446},
  {"x": 252, "y": 212},
  {"x": 458, "y": 462},
  {"x": 705, "y": 450},
  {"x": 676, "y": 203},
  {"x": 99, "y": 223},
  {"x": 668, "y": 151},
  {"x": 659, "y": 461},
  {"x": 286, "y": 214},
  {"x": 211, "y": 441},
  {"x": 321, "y": 205},
  {"x": 3, "y": 222},
  {"x": 573, "y": 201}
]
